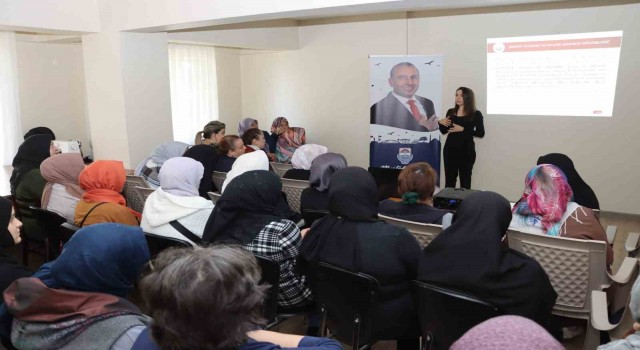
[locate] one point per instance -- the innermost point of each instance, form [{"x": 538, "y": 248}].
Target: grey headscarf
[
  {"x": 181, "y": 176},
  {"x": 166, "y": 151},
  {"x": 244, "y": 125},
  {"x": 322, "y": 167}
]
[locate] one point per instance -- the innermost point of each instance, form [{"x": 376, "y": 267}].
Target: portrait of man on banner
[{"x": 405, "y": 99}]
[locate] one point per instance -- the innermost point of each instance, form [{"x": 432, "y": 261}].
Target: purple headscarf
[
  {"x": 180, "y": 176},
  {"x": 244, "y": 125}
]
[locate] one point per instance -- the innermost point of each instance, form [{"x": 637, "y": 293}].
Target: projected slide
[{"x": 562, "y": 75}]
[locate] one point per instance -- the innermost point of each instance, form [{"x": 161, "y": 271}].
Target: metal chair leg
[
  {"x": 323, "y": 322},
  {"x": 356, "y": 333}
]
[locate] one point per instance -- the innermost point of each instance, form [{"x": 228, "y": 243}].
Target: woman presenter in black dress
[{"x": 463, "y": 122}]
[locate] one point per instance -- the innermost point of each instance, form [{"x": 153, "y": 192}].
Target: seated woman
[
  {"x": 289, "y": 139},
  {"x": 62, "y": 191},
  {"x": 546, "y": 207},
  {"x": 416, "y": 183},
  {"x": 246, "y": 215},
  {"x": 507, "y": 333},
  {"x": 150, "y": 167},
  {"x": 352, "y": 238},
  {"x": 632, "y": 339},
  {"x": 301, "y": 161},
  {"x": 78, "y": 301},
  {"x": 582, "y": 193},
  {"x": 246, "y": 162},
  {"x": 227, "y": 321},
  {"x": 470, "y": 256},
  {"x": 10, "y": 269},
  {"x": 229, "y": 148},
  {"x": 103, "y": 181},
  {"x": 253, "y": 140},
  {"x": 211, "y": 134},
  {"x": 250, "y": 123},
  {"x": 176, "y": 206},
  {"x": 40, "y": 130},
  {"x": 207, "y": 156},
  {"x": 27, "y": 183},
  {"x": 316, "y": 196}
]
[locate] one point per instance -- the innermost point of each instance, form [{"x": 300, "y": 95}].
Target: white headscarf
[
  {"x": 257, "y": 160},
  {"x": 305, "y": 154}
]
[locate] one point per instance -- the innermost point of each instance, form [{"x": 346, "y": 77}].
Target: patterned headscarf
[
  {"x": 545, "y": 198},
  {"x": 244, "y": 125}
]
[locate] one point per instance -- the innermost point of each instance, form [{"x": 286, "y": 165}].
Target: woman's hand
[
  {"x": 304, "y": 232},
  {"x": 445, "y": 122},
  {"x": 456, "y": 128}
]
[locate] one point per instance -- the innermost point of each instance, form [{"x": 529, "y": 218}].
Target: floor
[{"x": 297, "y": 325}]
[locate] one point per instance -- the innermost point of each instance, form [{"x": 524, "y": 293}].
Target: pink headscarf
[{"x": 62, "y": 169}]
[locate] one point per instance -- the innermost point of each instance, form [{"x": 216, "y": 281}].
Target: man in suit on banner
[{"x": 402, "y": 108}]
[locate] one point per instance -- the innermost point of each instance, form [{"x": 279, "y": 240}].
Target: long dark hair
[{"x": 469, "y": 102}]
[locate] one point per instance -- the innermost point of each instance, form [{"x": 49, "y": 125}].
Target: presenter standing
[{"x": 463, "y": 122}]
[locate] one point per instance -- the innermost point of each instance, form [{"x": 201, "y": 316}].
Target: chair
[
  {"x": 310, "y": 216},
  {"x": 23, "y": 212},
  {"x": 134, "y": 201},
  {"x": 214, "y": 196},
  {"x": 446, "y": 314},
  {"x": 158, "y": 243},
  {"x": 271, "y": 311},
  {"x": 424, "y": 233},
  {"x": 143, "y": 193},
  {"x": 280, "y": 168},
  {"x": 218, "y": 179},
  {"x": 577, "y": 270},
  {"x": 293, "y": 189},
  {"x": 347, "y": 300},
  {"x": 50, "y": 223},
  {"x": 68, "y": 230}
]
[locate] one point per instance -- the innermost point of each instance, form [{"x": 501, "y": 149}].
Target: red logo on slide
[{"x": 597, "y": 112}]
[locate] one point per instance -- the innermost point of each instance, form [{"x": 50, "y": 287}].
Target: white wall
[
  {"x": 59, "y": 16},
  {"x": 229, "y": 79},
  {"x": 51, "y": 80},
  {"x": 323, "y": 87}
]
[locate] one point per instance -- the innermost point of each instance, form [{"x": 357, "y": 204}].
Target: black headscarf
[
  {"x": 6, "y": 239},
  {"x": 353, "y": 199},
  {"x": 582, "y": 193},
  {"x": 470, "y": 256},
  {"x": 40, "y": 130},
  {"x": 206, "y": 155},
  {"x": 247, "y": 205},
  {"x": 33, "y": 151}
]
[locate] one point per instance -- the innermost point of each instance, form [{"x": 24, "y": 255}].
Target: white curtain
[
  {"x": 194, "y": 89},
  {"x": 9, "y": 107}
]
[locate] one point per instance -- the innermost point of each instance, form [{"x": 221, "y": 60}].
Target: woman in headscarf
[
  {"x": 211, "y": 134},
  {"x": 150, "y": 167},
  {"x": 27, "y": 183},
  {"x": 632, "y": 340},
  {"x": 353, "y": 238},
  {"x": 62, "y": 191},
  {"x": 316, "y": 196},
  {"x": 250, "y": 123},
  {"x": 40, "y": 130},
  {"x": 103, "y": 181},
  {"x": 207, "y": 156},
  {"x": 246, "y": 215},
  {"x": 244, "y": 163},
  {"x": 176, "y": 205},
  {"x": 78, "y": 300},
  {"x": 582, "y": 193},
  {"x": 229, "y": 149},
  {"x": 469, "y": 256},
  {"x": 10, "y": 269},
  {"x": 289, "y": 139},
  {"x": 301, "y": 161},
  {"x": 507, "y": 333},
  {"x": 416, "y": 183},
  {"x": 547, "y": 207}
]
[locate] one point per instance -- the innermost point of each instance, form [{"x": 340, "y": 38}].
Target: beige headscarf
[{"x": 62, "y": 169}]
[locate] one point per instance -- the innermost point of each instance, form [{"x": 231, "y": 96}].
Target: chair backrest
[
  {"x": 218, "y": 179},
  {"x": 67, "y": 230},
  {"x": 575, "y": 267},
  {"x": 311, "y": 215},
  {"x": 424, "y": 233},
  {"x": 143, "y": 193},
  {"x": 214, "y": 196},
  {"x": 280, "y": 168},
  {"x": 347, "y": 299},
  {"x": 446, "y": 314},
  {"x": 293, "y": 189},
  {"x": 158, "y": 243},
  {"x": 270, "y": 276},
  {"x": 134, "y": 201}
]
